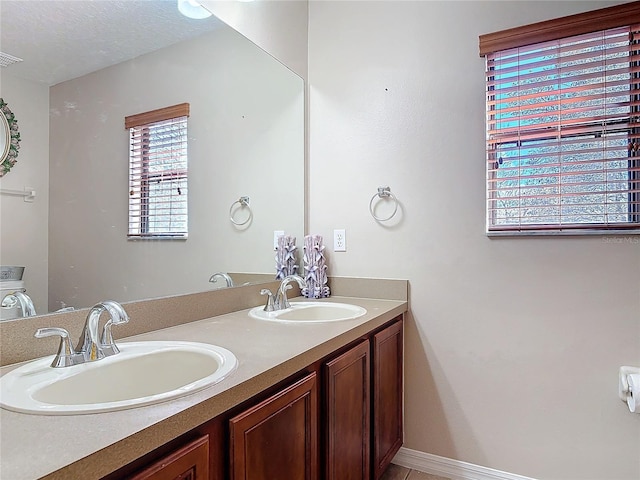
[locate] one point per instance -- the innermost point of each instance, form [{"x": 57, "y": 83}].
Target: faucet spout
[
  {"x": 25, "y": 302},
  {"x": 223, "y": 275},
  {"x": 117, "y": 317},
  {"x": 281, "y": 302},
  {"x": 91, "y": 346}
]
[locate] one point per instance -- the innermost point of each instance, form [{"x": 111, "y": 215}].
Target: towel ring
[
  {"x": 243, "y": 202},
  {"x": 384, "y": 192}
]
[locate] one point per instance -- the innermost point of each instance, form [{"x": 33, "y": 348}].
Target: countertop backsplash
[{"x": 17, "y": 343}]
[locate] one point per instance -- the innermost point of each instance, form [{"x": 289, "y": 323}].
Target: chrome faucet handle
[
  {"x": 117, "y": 316},
  {"x": 66, "y": 355},
  {"x": 269, "y": 306}
]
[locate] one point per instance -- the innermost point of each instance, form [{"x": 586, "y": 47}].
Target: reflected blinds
[
  {"x": 158, "y": 188},
  {"x": 563, "y": 134}
]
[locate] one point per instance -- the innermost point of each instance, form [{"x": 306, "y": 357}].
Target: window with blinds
[
  {"x": 563, "y": 134},
  {"x": 158, "y": 188}
]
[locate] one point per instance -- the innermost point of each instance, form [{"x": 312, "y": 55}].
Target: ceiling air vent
[{"x": 6, "y": 59}]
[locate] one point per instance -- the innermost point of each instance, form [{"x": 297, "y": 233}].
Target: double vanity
[{"x": 312, "y": 391}]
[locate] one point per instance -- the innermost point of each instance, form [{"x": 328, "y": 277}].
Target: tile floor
[{"x": 395, "y": 472}]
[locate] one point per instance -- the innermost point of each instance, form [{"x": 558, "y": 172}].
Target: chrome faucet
[
  {"x": 226, "y": 277},
  {"x": 281, "y": 302},
  {"x": 25, "y": 302},
  {"x": 91, "y": 346}
]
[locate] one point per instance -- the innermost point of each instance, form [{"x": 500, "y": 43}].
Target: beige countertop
[{"x": 93, "y": 445}]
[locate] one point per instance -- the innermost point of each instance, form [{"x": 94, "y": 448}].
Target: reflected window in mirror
[{"x": 158, "y": 171}]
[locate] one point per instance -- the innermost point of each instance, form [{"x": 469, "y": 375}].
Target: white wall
[
  {"x": 513, "y": 344},
  {"x": 23, "y": 229},
  {"x": 245, "y": 138},
  {"x": 278, "y": 26}
]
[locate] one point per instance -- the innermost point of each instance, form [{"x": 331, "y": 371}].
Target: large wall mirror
[{"x": 245, "y": 138}]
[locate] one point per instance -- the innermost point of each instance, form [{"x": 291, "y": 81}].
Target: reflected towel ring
[
  {"x": 384, "y": 192},
  {"x": 243, "y": 202}
]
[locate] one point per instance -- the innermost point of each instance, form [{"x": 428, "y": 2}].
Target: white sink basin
[
  {"x": 310, "y": 312},
  {"x": 142, "y": 373}
]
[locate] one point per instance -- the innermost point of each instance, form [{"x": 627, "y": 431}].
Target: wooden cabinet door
[
  {"x": 190, "y": 462},
  {"x": 278, "y": 438},
  {"x": 387, "y": 396},
  {"x": 348, "y": 400}
]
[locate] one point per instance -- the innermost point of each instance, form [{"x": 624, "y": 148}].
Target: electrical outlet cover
[{"x": 339, "y": 240}]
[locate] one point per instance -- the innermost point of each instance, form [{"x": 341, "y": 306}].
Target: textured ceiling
[{"x": 63, "y": 39}]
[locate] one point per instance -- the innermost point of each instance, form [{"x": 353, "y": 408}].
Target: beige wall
[
  {"x": 245, "y": 138},
  {"x": 278, "y": 26},
  {"x": 513, "y": 344},
  {"x": 23, "y": 228}
]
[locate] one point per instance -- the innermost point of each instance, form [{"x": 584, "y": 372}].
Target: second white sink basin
[
  {"x": 310, "y": 312},
  {"x": 142, "y": 373}
]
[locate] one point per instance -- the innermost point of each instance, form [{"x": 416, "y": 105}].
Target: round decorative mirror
[{"x": 9, "y": 138}]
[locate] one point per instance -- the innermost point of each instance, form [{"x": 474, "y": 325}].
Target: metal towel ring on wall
[
  {"x": 243, "y": 202},
  {"x": 384, "y": 192}
]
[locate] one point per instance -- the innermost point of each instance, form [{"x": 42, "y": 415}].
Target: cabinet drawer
[{"x": 190, "y": 462}]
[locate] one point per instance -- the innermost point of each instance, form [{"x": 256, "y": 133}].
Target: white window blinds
[
  {"x": 563, "y": 134},
  {"x": 158, "y": 187}
]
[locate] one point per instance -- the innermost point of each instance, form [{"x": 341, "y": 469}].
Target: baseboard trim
[{"x": 446, "y": 467}]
